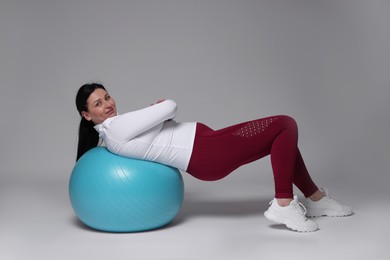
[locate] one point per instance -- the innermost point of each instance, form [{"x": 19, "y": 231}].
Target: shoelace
[
  {"x": 327, "y": 194},
  {"x": 301, "y": 208}
]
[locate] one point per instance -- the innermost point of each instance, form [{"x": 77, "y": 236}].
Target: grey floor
[{"x": 219, "y": 220}]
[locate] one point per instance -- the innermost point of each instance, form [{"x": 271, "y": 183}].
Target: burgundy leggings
[{"x": 217, "y": 153}]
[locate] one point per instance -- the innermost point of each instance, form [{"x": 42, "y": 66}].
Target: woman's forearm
[{"x": 129, "y": 125}]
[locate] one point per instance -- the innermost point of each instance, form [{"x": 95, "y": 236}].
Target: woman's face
[{"x": 100, "y": 106}]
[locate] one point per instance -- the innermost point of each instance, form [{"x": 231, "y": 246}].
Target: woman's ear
[{"x": 86, "y": 116}]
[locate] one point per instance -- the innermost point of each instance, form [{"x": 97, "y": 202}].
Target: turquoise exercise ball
[{"x": 118, "y": 194}]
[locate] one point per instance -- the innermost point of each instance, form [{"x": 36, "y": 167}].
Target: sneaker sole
[
  {"x": 327, "y": 213},
  {"x": 289, "y": 225}
]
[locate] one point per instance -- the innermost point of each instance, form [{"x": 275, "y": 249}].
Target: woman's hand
[{"x": 158, "y": 101}]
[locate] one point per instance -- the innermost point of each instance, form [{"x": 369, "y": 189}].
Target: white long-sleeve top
[{"x": 150, "y": 134}]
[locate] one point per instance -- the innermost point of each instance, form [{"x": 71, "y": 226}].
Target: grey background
[{"x": 326, "y": 63}]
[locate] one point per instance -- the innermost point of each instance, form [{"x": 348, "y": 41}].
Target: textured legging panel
[{"x": 217, "y": 153}]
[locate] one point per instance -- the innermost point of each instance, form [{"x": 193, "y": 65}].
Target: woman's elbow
[{"x": 171, "y": 107}]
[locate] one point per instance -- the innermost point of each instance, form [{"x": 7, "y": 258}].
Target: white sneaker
[
  {"x": 327, "y": 206},
  {"x": 293, "y": 216}
]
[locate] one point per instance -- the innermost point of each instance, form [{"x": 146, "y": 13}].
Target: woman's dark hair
[{"x": 88, "y": 136}]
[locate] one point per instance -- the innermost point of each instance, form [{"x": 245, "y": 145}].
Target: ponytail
[{"x": 88, "y": 136}]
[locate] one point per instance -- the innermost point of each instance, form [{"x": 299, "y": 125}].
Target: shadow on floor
[{"x": 232, "y": 208}]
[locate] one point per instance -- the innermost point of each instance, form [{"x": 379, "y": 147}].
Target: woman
[{"x": 151, "y": 134}]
